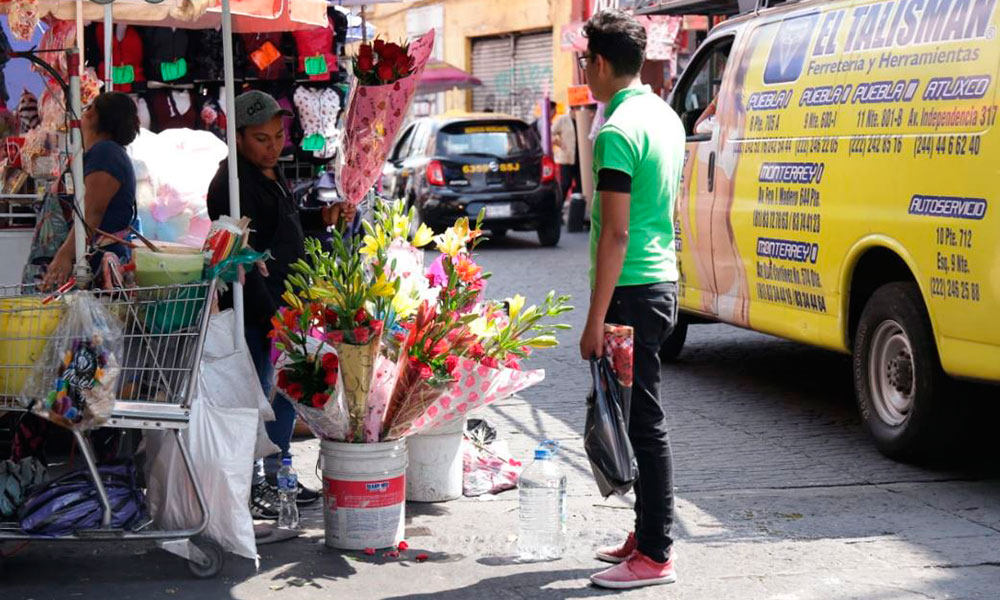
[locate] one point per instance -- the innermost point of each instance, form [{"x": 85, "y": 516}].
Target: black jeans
[{"x": 651, "y": 310}]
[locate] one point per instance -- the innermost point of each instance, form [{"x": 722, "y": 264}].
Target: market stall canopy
[
  {"x": 248, "y": 16},
  {"x": 440, "y": 76}
]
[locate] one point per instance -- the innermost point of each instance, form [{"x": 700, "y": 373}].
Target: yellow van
[{"x": 841, "y": 163}]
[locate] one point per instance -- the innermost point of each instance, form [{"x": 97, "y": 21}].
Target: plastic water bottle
[
  {"x": 542, "y": 534},
  {"x": 288, "y": 489}
]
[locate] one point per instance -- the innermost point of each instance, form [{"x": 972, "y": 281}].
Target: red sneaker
[
  {"x": 637, "y": 571},
  {"x": 617, "y": 554}
]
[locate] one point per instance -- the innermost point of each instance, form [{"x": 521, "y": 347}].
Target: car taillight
[
  {"x": 435, "y": 173},
  {"x": 548, "y": 169}
]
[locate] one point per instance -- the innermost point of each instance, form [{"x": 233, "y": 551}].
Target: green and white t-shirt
[{"x": 643, "y": 138}]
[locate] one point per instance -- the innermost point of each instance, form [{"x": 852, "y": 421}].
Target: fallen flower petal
[
  {"x": 421, "y": 557},
  {"x": 403, "y": 546},
  {"x": 369, "y": 551},
  {"x": 391, "y": 554}
]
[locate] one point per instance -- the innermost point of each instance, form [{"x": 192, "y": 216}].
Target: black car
[{"x": 455, "y": 165}]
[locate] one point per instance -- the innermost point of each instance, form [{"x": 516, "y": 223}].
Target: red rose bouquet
[
  {"x": 386, "y": 77},
  {"x": 308, "y": 370}
]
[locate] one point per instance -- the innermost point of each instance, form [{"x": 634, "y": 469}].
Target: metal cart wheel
[{"x": 210, "y": 563}]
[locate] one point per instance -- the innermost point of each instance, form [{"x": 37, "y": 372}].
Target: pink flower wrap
[
  {"x": 374, "y": 117},
  {"x": 475, "y": 386}
]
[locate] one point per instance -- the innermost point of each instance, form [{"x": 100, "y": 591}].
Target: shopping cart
[{"x": 164, "y": 335}]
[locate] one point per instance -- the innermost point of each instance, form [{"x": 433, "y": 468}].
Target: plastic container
[
  {"x": 542, "y": 507},
  {"x": 364, "y": 494},
  {"x": 435, "y": 470},
  {"x": 26, "y": 327},
  {"x": 176, "y": 264},
  {"x": 288, "y": 490}
]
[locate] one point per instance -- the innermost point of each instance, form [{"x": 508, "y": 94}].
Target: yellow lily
[
  {"x": 374, "y": 243},
  {"x": 483, "y": 327},
  {"x": 405, "y": 302},
  {"x": 461, "y": 228},
  {"x": 423, "y": 236},
  {"x": 450, "y": 242},
  {"x": 400, "y": 226},
  {"x": 292, "y": 300},
  {"x": 382, "y": 288},
  {"x": 515, "y": 305}
]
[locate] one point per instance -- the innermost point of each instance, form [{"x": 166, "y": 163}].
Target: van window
[
  {"x": 500, "y": 139},
  {"x": 702, "y": 84}
]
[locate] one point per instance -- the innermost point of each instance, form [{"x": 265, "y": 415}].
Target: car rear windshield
[{"x": 494, "y": 138}]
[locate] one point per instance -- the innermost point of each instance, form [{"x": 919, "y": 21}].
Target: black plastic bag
[{"x": 606, "y": 432}]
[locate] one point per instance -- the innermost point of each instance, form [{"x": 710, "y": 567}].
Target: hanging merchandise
[
  {"x": 27, "y": 112},
  {"x": 318, "y": 111},
  {"x": 171, "y": 109},
  {"x": 265, "y": 58},
  {"x": 205, "y": 55},
  {"x": 289, "y": 122},
  {"x": 59, "y": 36},
  {"x": 211, "y": 118},
  {"x": 23, "y": 18},
  {"x": 126, "y": 56},
  {"x": 166, "y": 50},
  {"x": 74, "y": 382},
  {"x": 71, "y": 503},
  {"x": 315, "y": 50}
]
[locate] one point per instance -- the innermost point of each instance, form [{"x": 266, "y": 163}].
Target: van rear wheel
[{"x": 898, "y": 378}]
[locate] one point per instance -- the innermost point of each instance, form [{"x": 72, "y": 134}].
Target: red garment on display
[
  {"x": 315, "y": 42},
  {"x": 128, "y": 51},
  {"x": 166, "y": 114}
]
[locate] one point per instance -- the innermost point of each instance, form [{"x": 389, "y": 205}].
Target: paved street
[{"x": 780, "y": 493}]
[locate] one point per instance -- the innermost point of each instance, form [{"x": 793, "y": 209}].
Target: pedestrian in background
[
  {"x": 638, "y": 158},
  {"x": 564, "y": 150}
]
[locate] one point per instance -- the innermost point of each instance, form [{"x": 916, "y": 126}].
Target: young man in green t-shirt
[{"x": 638, "y": 158}]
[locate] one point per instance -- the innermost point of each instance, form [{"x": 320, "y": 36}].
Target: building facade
[{"x": 512, "y": 46}]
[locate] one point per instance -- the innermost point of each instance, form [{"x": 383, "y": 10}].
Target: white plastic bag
[
  {"x": 221, "y": 443},
  {"x": 231, "y": 378}
]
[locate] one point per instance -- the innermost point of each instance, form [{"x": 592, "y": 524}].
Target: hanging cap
[{"x": 256, "y": 108}]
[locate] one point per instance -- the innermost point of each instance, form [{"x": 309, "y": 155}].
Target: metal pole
[
  {"x": 82, "y": 269},
  {"x": 108, "y": 84},
  {"x": 234, "y": 180},
  {"x": 364, "y": 23}
]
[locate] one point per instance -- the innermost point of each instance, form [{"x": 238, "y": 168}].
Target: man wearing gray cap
[{"x": 276, "y": 224}]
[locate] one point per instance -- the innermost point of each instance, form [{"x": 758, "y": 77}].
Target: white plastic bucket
[
  {"x": 364, "y": 494},
  {"x": 436, "y": 470}
]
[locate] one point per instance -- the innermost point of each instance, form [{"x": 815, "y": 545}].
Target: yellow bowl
[{"x": 25, "y": 328}]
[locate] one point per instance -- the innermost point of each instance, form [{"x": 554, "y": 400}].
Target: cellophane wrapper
[
  {"x": 331, "y": 423},
  {"x": 475, "y": 386},
  {"x": 619, "y": 344},
  {"x": 357, "y": 371},
  {"x": 374, "y": 117},
  {"x": 386, "y": 372}
]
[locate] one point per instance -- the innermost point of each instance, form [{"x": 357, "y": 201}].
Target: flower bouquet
[
  {"x": 346, "y": 294},
  {"x": 308, "y": 371},
  {"x": 386, "y": 79},
  {"x": 492, "y": 368}
]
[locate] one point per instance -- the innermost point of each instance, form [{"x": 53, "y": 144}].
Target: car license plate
[{"x": 497, "y": 211}]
